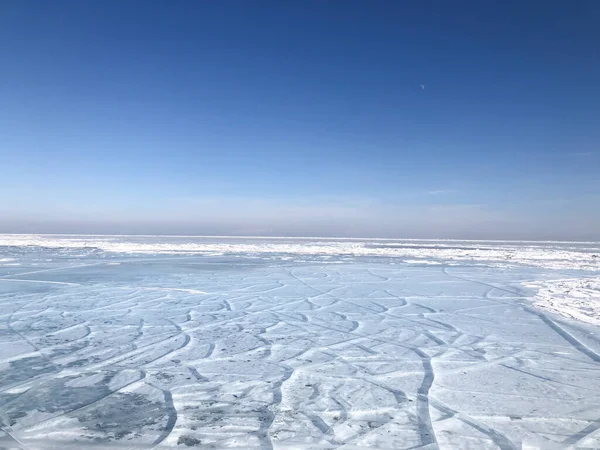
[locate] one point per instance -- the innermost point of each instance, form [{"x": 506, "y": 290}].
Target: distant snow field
[{"x": 180, "y": 342}]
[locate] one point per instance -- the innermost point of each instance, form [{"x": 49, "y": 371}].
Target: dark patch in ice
[
  {"x": 163, "y": 376},
  {"x": 81, "y": 362},
  {"x": 122, "y": 414},
  {"x": 188, "y": 441},
  {"x": 56, "y": 353},
  {"x": 14, "y": 417},
  {"x": 55, "y": 396},
  {"x": 25, "y": 369}
]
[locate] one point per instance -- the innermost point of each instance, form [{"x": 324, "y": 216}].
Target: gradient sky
[{"x": 301, "y": 118}]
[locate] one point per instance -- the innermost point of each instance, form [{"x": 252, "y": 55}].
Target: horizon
[
  {"x": 390, "y": 120},
  {"x": 331, "y": 238}
]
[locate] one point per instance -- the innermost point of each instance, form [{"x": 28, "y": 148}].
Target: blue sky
[{"x": 301, "y": 118}]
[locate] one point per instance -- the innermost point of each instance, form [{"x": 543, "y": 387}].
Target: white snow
[
  {"x": 552, "y": 255},
  {"x": 578, "y": 298},
  {"x": 155, "y": 342},
  {"x": 422, "y": 261}
]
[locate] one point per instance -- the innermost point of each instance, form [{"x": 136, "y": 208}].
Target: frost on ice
[{"x": 122, "y": 342}]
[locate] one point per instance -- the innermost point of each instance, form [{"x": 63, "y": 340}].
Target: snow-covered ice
[
  {"x": 578, "y": 298},
  {"x": 176, "y": 342}
]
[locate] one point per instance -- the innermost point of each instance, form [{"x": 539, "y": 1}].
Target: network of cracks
[{"x": 184, "y": 351}]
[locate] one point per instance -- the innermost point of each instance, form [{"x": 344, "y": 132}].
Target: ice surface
[
  {"x": 553, "y": 255},
  {"x": 147, "y": 342},
  {"x": 578, "y": 298}
]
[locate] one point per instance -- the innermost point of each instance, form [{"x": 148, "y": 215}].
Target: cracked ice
[{"x": 122, "y": 342}]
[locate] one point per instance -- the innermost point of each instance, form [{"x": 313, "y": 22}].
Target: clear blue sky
[{"x": 301, "y": 118}]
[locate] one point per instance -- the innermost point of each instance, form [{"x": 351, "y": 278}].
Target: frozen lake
[{"x": 154, "y": 342}]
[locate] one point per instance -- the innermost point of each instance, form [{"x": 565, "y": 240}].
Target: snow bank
[
  {"x": 561, "y": 256},
  {"x": 575, "y": 298}
]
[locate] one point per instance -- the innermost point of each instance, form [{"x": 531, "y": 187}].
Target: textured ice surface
[
  {"x": 578, "y": 298},
  {"x": 117, "y": 342}
]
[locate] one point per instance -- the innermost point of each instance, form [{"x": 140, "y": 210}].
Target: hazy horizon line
[{"x": 337, "y": 238}]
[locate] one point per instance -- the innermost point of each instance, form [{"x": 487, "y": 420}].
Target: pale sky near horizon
[{"x": 301, "y": 118}]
